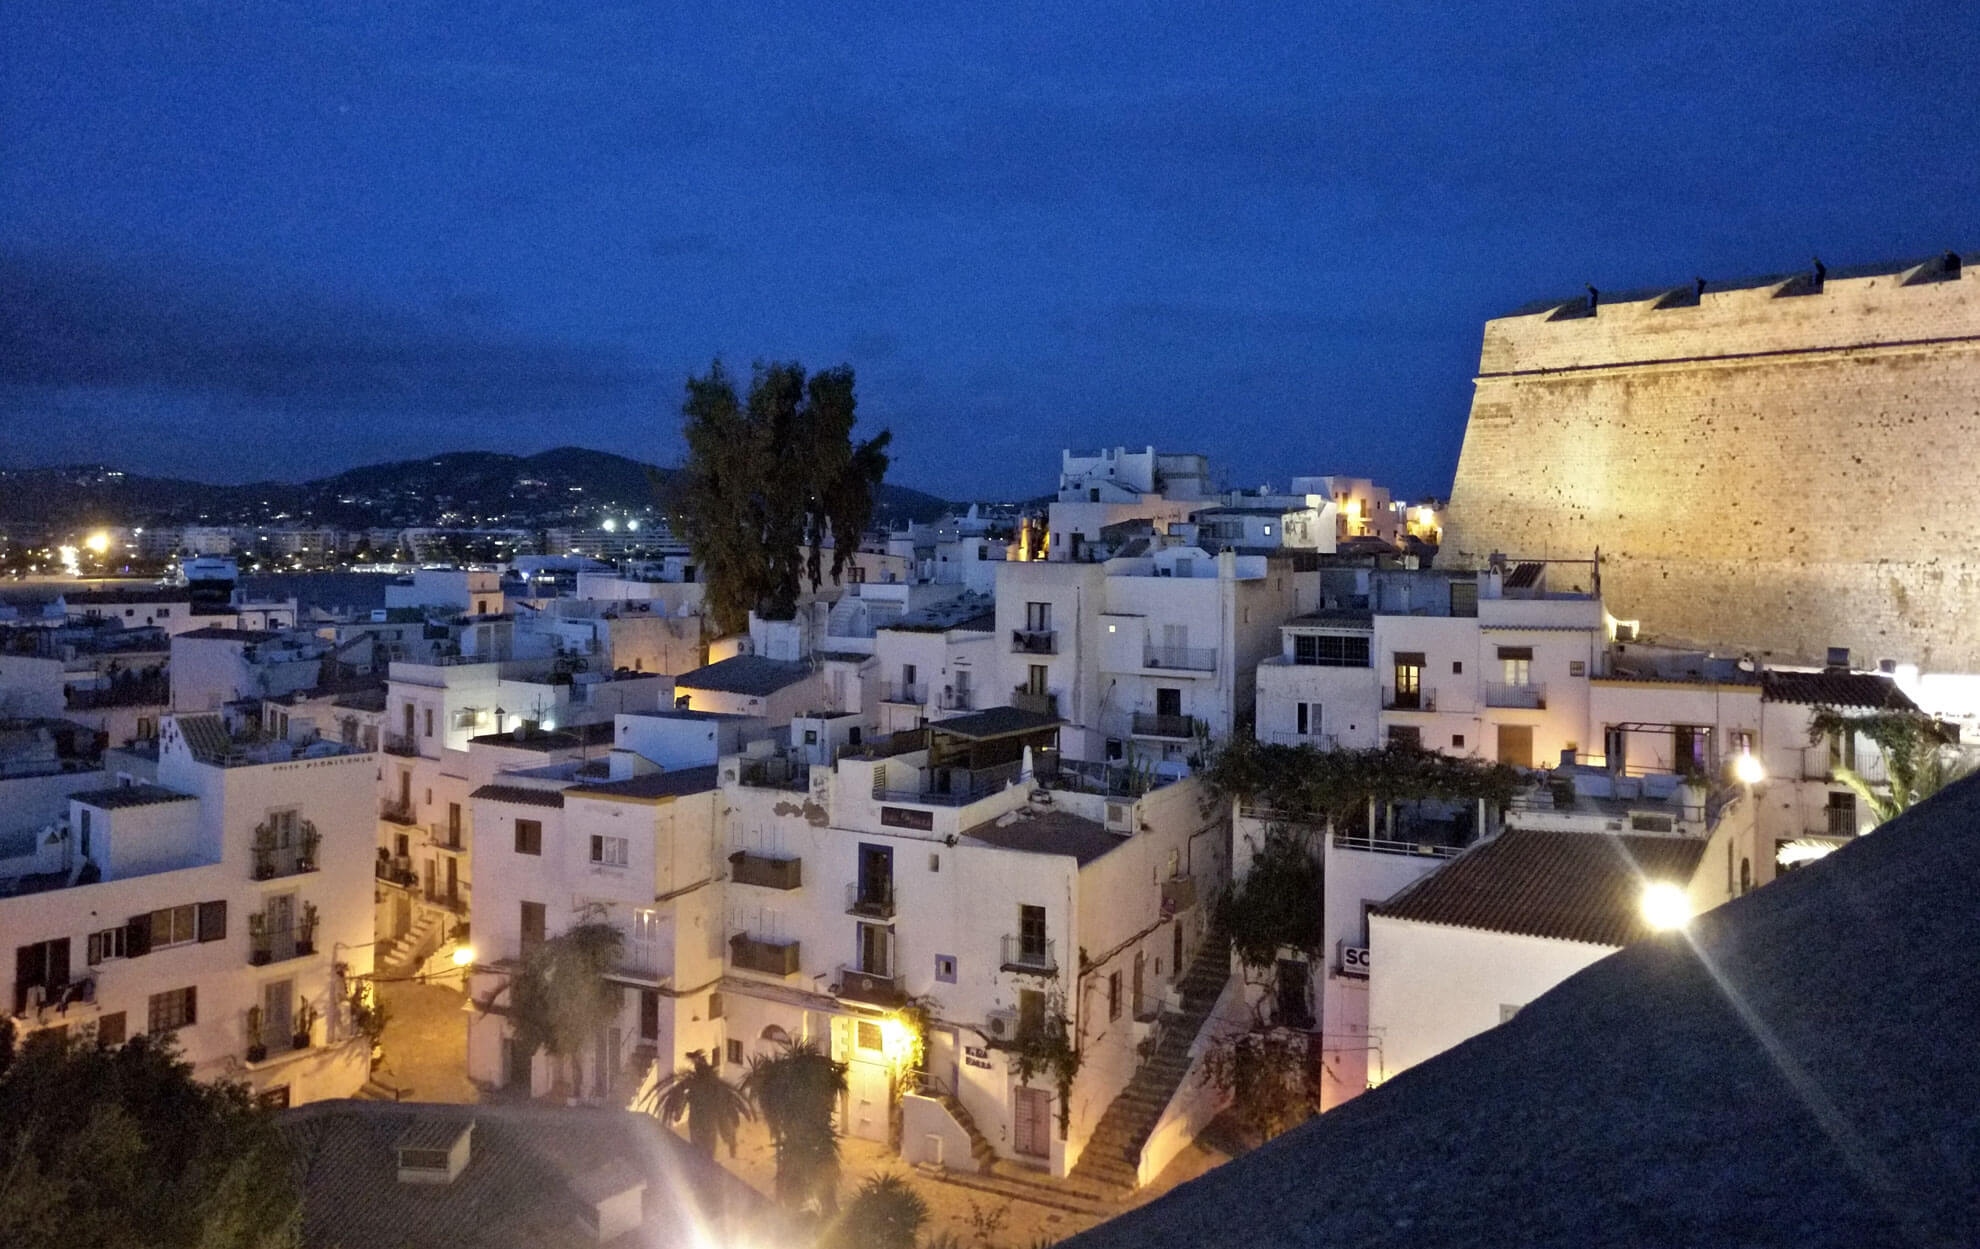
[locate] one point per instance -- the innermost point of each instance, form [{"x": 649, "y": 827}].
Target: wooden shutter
[
  {"x": 192, "y": 1004},
  {"x": 137, "y": 935},
  {"x": 95, "y": 948},
  {"x": 212, "y": 920}
]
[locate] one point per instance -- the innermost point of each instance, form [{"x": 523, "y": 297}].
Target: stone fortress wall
[{"x": 1778, "y": 466}]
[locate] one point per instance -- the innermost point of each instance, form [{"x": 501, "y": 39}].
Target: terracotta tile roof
[
  {"x": 1835, "y": 689},
  {"x": 751, "y": 675},
  {"x": 1572, "y": 886},
  {"x": 206, "y": 736},
  {"x": 674, "y": 784},
  {"x": 116, "y": 796},
  {"x": 521, "y": 795}
]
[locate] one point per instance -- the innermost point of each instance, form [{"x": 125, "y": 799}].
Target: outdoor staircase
[
  {"x": 1113, "y": 1154},
  {"x": 980, "y": 1149},
  {"x": 401, "y": 957}
]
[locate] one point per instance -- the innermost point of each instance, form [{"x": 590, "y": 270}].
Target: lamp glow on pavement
[{"x": 1665, "y": 907}]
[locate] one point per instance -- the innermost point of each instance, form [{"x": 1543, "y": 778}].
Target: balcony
[
  {"x": 394, "y": 811},
  {"x": 1530, "y": 697},
  {"x": 1408, "y": 700},
  {"x": 398, "y": 744},
  {"x": 870, "y": 899},
  {"x": 913, "y": 693},
  {"x": 453, "y": 903},
  {"x": 446, "y": 837},
  {"x": 772, "y": 958},
  {"x": 1155, "y": 724},
  {"x": 1319, "y": 741},
  {"x": 395, "y": 870},
  {"x": 1180, "y": 658},
  {"x": 278, "y": 945},
  {"x": 1031, "y": 957},
  {"x": 871, "y": 988},
  {"x": 1041, "y": 704},
  {"x": 272, "y": 860},
  {"x": 1034, "y": 641},
  {"x": 776, "y": 772},
  {"x": 765, "y": 872},
  {"x": 957, "y": 787},
  {"x": 957, "y": 700},
  {"x": 1178, "y": 894}
]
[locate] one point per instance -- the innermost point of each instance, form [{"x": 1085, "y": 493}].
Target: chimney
[
  {"x": 611, "y": 1200},
  {"x": 433, "y": 1150}
]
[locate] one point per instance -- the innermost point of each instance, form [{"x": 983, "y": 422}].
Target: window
[
  {"x": 735, "y": 1051},
  {"x": 44, "y": 964},
  {"x": 1842, "y": 814},
  {"x": 532, "y": 926},
  {"x": 172, "y": 1009},
  {"x": 164, "y": 612},
  {"x": 945, "y": 968},
  {"x": 1036, "y": 681},
  {"x": 1113, "y": 995},
  {"x": 1516, "y": 663},
  {"x": 110, "y": 1029},
  {"x": 1842, "y": 750},
  {"x": 429, "y": 721},
  {"x": 1038, "y": 617},
  {"x": 1742, "y": 741},
  {"x": 1577, "y": 667},
  {"x": 1457, "y": 740},
  {"x": 1405, "y": 735},
  {"x": 1031, "y": 1011},
  {"x": 1464, "y": 598},
  {"x": 608, "y": 851},
  {"x": 1408, "y": 691},
  {"x": 1031, "y": 931},
  {"x": 715, "y": 1005},
  {"x": 529, "y": 837},
  {"x": 106, "y": 945},
  {"x": 867, "y": 1036},
  {"x": 175, "y": 925},
  {"x": 1457, "y": 667}
]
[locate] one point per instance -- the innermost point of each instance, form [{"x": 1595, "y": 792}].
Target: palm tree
[
  {"x": 886, "y": 1213},
  {"x": 712, "y": 1106},
  {"x": 1919, "y": 761},
  {"x": 797, "y": 1092}
]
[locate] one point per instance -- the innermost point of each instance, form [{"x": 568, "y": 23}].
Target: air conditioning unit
[{"x": 1002, "y": 1025}]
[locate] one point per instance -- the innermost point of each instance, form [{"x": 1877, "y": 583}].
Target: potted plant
[
  {"x": 264, "y": 850},
  {"x": 306, "y": 930},
  {"x": 258, "y": 951},
  {"x": 368, "y": 1017},
  {"x": 305, "y": 1024},
  {"x": 256, "y": 1051},
  {"x": 306, "y": 850}
]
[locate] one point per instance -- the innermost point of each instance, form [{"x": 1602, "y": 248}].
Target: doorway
[
  {"x": 1516, "y": 745},
  {"x": 278, "y": 1024},
  {"x": 866, "y": 1090},
  {"x": 1031, "y": 1123}
]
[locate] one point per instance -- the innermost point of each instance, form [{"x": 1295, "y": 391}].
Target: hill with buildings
[
  {"x": 1800, "y": 1072},
  {"x": 457, "y": 488}
]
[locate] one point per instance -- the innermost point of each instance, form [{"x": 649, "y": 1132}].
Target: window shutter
[
  {"x": 95, "y": 948},
  {"x": 192, "y": 1004},
  {"x": 212, "y": 920},
  {"x": 1516, "y": 652},
  {"x": 137, "y": 936}
]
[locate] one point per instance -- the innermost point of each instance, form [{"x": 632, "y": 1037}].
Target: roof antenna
[{"x": 1594, "y": 298}]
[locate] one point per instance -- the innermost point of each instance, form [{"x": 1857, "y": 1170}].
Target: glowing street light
[
  {"x": 99, "y": 542},
  {"x": 1665, "y": 907},
  {"x": 463, "y": 955},
  {"x": 1748, "y": 770}
]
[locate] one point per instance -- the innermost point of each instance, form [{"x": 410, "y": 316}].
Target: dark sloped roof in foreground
[
  {"x": 1573, "y": 886},
  {"x": 1834, "y": 689},
  {"x": 751, "y": 675},
  {"x": 529, "y": 1169},
  {"x": 674, "y": 784},
  {"x": 522, "y": 795},
  {"x": 116, "y": 796},
  {"x": 994, "y": 722},
  {"x": 1837, "y": 1106}
]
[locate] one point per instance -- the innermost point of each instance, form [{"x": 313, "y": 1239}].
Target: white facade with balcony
[{"x": 233, "y": 893}]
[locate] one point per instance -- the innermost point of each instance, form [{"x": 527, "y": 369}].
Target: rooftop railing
[{"x": 1182, "y": 658}]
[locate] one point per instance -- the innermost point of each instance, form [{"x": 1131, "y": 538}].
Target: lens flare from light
[
  {"x": 1665, "y": 906},
  {"x": 1748, "y": 770}
]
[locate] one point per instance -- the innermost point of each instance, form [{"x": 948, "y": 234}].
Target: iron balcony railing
[
  {"x": 1531, "y": 697},
  {"x": 1324, "y": 741},
  {"x": 777, "y": 772},
  {"x": 1036, "y": 703},
  {"x": 1184, "y": 658},
  {"x": 445, "y": 837},
  {"x": 399, "y": 744},
  {"x": 772, "y": 958},
  {"x": 397, "y": 812},
  {"x": 915, "y": 692},
  {"x": 395, "y": 870},
  {"x": 1034, "y": 641},
  {"x": 1030, "y": 955},
  {"x": 872, "y": 988},
  {"x": 963, "y": 787},
  {"x": 276, "y": 945},
  {"x": 1155, "y": 724},
  {"x": 1408, "y": 700},
  {"x": 957, "y": 700},
  {"x": 873, "y": 899},
  {"x": 763, "y": 871}
]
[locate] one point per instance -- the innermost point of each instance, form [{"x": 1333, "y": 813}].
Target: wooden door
[
  {"x": 1139, "y": 959},
  {"x": 1031, "y": 1123}
]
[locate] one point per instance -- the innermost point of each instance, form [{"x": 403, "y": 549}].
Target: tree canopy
[
  {"x": 1921, "y": 756},
  {"x": 561, "y": 1000},
  {"x": 768, "y": 480},
  {"x": 1305, "y": 782},
  {"x": 120, "y": 1148}
]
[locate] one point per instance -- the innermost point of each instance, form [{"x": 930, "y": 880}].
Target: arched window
[{"x": 776, "y": 1035}]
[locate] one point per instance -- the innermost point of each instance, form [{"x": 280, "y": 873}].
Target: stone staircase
[
  {"x": 400, "y": 957},
  {"x": 1112, "y": 1156},
  {"x": 980, "y": 1150}
]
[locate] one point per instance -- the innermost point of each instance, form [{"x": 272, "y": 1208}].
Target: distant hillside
[{"x": 459, "y": 488}]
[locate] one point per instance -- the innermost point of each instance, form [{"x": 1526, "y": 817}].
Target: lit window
[{"x": 608, "y": 851}]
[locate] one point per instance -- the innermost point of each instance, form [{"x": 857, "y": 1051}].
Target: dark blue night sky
[{"x": 254, "y": 239}]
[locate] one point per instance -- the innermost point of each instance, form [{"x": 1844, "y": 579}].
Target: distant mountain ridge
[{"x": 564, "y": 485}]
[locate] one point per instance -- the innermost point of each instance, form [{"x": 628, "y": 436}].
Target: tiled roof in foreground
[
  {"x": 1573, "y": 886},
  {"x": 1800, "y": 1070},
  {"x": 1834, "y": 689},
  {"x": 522, "y": 795}
]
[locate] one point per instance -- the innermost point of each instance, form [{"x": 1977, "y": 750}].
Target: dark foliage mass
[{"x": 120, "y": 1148}]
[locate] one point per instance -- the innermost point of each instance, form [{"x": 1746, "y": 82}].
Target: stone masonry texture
[{"x": 1761, "y": 471}]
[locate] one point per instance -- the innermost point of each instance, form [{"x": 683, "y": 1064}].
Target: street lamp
[
  {"x": 463, "y": 955},
  {"x": 1665, "y": 906},
  {"x": 1748, "y": 770}
]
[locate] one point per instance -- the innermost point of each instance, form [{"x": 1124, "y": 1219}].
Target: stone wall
[{"x": 1761, "y": 471}]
